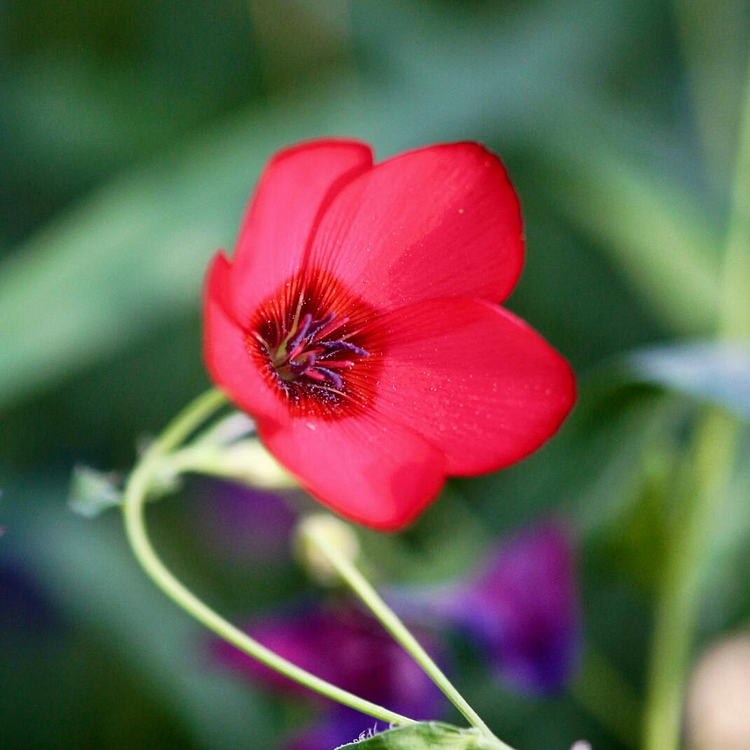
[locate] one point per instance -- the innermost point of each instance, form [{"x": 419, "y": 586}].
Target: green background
[{"x": 131, "y": 134}]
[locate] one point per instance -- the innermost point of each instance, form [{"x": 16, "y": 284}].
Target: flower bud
[
  {"x": 249, "y": 462},
  {"x": 324, "y": 531}
]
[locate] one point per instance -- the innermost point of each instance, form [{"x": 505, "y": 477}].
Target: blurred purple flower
[
  {"x": 343, "y": 645},
  {"x": 520, "y": 608},
  {"x": 243, "y": 523}
]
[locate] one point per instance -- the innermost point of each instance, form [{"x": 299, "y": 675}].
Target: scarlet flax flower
[{"x": 358, "y": 323}]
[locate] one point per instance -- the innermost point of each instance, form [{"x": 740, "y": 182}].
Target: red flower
[{"x": 358, "y": 324}]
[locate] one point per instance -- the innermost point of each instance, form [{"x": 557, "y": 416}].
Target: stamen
[
  {"x": 333, "y": 377},
  {"x": 262, "y": 341},
  {"x": 332, "y": 347},
  {"x": 302, "y": 367},
  {"x": 298, "y": 350}
]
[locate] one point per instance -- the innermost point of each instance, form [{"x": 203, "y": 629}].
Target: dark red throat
[{"x": 311, "y": 342}]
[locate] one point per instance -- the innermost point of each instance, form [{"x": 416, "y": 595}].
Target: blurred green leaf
[
  {"x": 91, "y": 575},
  {"x": 714, "y": 36},
  {"x": 652, "y": 228},
  {"x": 132, "y": 256},
  {"x": 713, "y": 372},
  {"x": 423, "y": 737}
]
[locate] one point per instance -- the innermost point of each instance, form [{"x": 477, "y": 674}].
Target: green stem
[
  {"x": 677, "y": 609},
  {"x": 735, "y": 321},
  {"x": 391, "y": 622},
  {"x": 133, "y": 511},
  {"x": 715, "y": 448}
]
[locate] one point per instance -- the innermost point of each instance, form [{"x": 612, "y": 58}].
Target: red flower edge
[{"x": 358, "y": 323}]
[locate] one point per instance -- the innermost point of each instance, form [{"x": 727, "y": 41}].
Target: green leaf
[
  {"x": 713, "y": 372},
  {"x": 423, "y": 736}
]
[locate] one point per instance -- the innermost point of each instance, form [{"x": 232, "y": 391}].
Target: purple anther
[
  {"x": 331, "y": 376},
  {"x": 312, "y": 356},
  {"x": 331, "y": 347}
]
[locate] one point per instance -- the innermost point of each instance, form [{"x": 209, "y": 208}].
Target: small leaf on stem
[
  {"x": 92, "y": 492},
  {"x": 424, "y": 736}
]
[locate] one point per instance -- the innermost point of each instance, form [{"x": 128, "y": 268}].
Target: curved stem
[
  {"x": 133, "y": 511},
  {"x": 391, "y": 622},
  {"x": 185, "y": 423}
]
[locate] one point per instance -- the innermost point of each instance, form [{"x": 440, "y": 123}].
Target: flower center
[
  {"x": 311, "y": 341},
  {"x": 315, "y": 352}
]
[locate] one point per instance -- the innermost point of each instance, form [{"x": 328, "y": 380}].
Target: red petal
[
  {"x": 366, "y": 468},
  {"x": 474, "y": 380},
  {"x": 440, "y": 221},
  {"x": 225, "y": 349},
  {"x": 277, "y": 228}
]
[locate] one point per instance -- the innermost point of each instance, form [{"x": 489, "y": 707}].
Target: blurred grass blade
[
  {"x": 714, "y": 36},
  {"x": 658, "y": 235}
]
